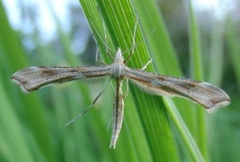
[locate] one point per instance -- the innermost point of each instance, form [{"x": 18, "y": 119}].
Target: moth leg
[
  {"x": 109, "y": 124},
  {"x": 90, "y": 106},
  {"x": 96, "y": 58},
  {"x": 127, "y": 89},
  {"x": 106, "y": 38},
  {"x": 145, "y": 66},
  {"x": 133, "y": 40}
]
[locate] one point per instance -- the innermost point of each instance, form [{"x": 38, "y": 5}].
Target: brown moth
[{"x": 210, "y": 97}]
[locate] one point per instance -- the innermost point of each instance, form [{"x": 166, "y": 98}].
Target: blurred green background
[{"x": 195, "y": 41}]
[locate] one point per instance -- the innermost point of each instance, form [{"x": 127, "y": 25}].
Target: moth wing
[
  {"x": 203, "y": 93},
  {"x": 33, "y": 78}
]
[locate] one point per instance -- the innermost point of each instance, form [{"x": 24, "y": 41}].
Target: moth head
[{"x": 118, "y": 57}]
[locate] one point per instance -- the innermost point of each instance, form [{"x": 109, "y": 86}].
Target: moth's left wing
[{"x": 203, "y": 93}]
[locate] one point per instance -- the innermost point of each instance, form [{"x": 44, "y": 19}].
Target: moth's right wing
[{"x": 35, "y": 77}]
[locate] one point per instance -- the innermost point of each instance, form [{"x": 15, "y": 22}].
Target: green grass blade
[
  {"x": 32, "y": 126},
  {"x": 28, "y": 108},
  {"x": 217, "y": 51},
  {"x": 234, "y": 48},
  {"x": 197, "y": 74},
  {"x": 166, "y": 62},
  {"x": 184, "y": 131},
  {"x": 14, "y": 141},
  {"x": 156, "y": 34},
  {"x": 155, "y": 129}
]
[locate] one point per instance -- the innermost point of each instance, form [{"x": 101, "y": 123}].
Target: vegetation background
[{"x": 182, "y": 42}]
